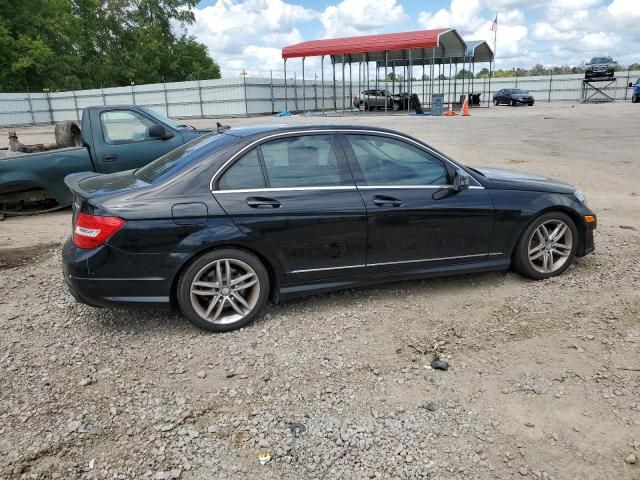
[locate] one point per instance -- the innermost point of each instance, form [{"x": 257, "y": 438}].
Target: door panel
[
  {"x": 415, "y": 230},
  {"x": 408, "y": 228},
  {"x": 297, "y": 195}
]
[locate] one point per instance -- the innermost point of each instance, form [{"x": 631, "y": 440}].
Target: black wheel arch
[
  {"x": 274, "y": 279},
  {"x": 579, "y": 222}
]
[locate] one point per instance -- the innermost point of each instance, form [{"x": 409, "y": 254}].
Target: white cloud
[
  {"x": 245, "y": 34},
  {"x": 357, "y": 17},
  {"x": 462, "y": 14}
]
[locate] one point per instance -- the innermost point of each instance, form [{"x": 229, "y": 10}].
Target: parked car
[
  {"x": 378, "y": 98},
  {"x": 513, "y": 97},
  {"x": 231, "y": 220},
  {"x": 600, "y": 67},
  {"x": 635, "y": 93},
  {"x": 113, "y": 138}
]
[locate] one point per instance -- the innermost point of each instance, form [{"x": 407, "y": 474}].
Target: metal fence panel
[{"x": 257, "y": 96}]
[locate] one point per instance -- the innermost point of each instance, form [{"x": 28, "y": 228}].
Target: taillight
[{"x": 91, "y": 231}]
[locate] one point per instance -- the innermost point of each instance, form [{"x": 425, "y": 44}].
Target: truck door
[{"x": 122, "y": 140}]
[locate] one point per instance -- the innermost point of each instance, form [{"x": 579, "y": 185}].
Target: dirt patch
[{"x": 14, "y": 257}]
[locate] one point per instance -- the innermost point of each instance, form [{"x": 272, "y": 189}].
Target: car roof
[{"x": 259, "y": 130}]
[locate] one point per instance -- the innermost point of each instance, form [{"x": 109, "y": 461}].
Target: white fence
[{"x": 259, "y": 96}]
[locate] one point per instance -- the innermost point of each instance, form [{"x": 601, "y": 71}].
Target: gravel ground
[{"x": 543, "y": 378}]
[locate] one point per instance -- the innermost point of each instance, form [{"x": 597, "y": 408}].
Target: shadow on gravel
[{"x": 15, "y": 257}]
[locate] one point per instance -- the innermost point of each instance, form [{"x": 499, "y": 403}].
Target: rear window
[{"x": 176, "y": 160}]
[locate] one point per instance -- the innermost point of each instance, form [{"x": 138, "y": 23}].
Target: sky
[{"x": 248, "y": 35}]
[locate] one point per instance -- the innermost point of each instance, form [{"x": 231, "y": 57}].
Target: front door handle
[
  {"x": 110, "y": 157},
  {"x": 262, "y": 202},
  {"x": 385, "y": 201}
]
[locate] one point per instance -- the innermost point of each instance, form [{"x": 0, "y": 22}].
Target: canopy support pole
[
  {"x": 335, "y": 94},
  {"x": 286, "y": 97},
  {"x": 386, "y": 59},
  {"x": 343, "y": 86},
  {"x": 304, "y": 93},
  {"x": 322, "y": 80}
]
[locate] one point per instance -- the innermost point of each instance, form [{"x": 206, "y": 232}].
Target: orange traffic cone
[
  {"x": 450, "y": 112},
  {"x": 465, "y": 107}
]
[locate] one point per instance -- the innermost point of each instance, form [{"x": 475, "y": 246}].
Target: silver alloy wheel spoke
[
  {"x": 550, "y": 246},
  {"x": 225, "y": 291}
]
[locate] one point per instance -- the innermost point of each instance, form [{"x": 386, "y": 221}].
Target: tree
[
  {"x": 65, "y": 44},
  {"x": 484, "y": 73},
  {"x": 464, "y": 74}
]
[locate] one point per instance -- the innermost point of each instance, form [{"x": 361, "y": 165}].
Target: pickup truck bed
[{"x": 114, "y": 138}]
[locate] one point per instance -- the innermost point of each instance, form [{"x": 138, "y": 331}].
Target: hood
[{"x": 514, "y": 180}]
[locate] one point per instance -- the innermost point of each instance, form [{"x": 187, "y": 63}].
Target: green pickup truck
[{"x": 114, "y": 138}]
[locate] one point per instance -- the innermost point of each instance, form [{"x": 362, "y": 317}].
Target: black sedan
[
  {"x": 513, "y": 97},
  {"x": 243, "y": 216}
]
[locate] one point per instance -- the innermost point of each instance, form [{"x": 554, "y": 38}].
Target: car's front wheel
[
  {"x": 223, "y": 290},
  {"x": 634, "y": 99},
  {"x": 547, "y": 246},
  {"x": 495, "y": 102},
  {"x": 512, "y": 103}
]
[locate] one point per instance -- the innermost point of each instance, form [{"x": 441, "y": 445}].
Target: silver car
[{"x": 377, "y": 98}]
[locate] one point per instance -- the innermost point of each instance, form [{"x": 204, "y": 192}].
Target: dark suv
[{"x": 600, "y": 67}]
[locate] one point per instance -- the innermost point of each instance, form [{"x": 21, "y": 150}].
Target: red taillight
[{"x": 91, "y": 231}]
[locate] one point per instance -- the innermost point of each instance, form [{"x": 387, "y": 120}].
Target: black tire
[
  {"x": 68, "y": 134},
  {"x": 183, "y": 291},
  {"x": 520, "y": 256},
  {"x": 512, "y": 103},
  {"x": 530, "y": 104},
  {"x": 634, "y": 99},
  {"x": 495, "y": 102},
  {"x": 396, "y": 106}
]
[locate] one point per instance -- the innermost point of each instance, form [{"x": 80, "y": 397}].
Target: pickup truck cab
[{"x": 114, "y": 138}]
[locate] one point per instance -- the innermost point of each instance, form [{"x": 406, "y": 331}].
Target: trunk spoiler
[{"x": 73, "y": 182}]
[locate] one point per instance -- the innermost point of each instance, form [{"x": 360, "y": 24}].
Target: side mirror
[
  {"x": 461, "y": 180},
  {"x": 158, "y": 131}
]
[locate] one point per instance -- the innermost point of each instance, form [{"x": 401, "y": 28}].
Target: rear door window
[{"x": 303, "y": 161}]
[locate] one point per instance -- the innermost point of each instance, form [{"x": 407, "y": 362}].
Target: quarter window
[
  {"x": 244, "y": 174},
  {"x": 386, "y": 161},
  {"x": 304, "y": 161},
  {"x": 125, "y": 126}
]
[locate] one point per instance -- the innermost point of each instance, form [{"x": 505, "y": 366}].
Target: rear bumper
[{"x": 87, "y": 273}]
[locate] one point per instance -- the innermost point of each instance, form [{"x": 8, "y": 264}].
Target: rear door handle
[
  {"x": 263, "y": 202},
  {"x": 384, "y": 201},
  {"x": 110, "y": 157}
]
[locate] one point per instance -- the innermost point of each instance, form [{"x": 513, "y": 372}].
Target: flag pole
[{"x": 495, "y": 38}]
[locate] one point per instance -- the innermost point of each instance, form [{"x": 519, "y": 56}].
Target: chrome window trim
[
  {"x": 332, "y": 131},
  {"x": 337, "y": 187},
  {"x": 284, "y": 189},
  {"x": 398, "y": 262}
]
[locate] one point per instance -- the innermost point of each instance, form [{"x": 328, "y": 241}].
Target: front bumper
[
  {"x": 524, "y": 101},
  {"x": 107, "y": 276}
]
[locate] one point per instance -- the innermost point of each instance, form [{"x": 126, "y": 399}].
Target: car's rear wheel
[
  {"x": 223, "y": 290},
  {"x": 547, "y": 246}
]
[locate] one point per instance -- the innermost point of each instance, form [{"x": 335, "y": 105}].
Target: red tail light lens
[{"x": 91, "y": 231}]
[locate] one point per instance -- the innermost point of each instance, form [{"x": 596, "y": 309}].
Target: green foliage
[
  {"x": 464, "y": 74},
  {"x": 73, "y": 44}
]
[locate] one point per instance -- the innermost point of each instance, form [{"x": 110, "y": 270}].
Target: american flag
[{"x": 494, "y": 25}]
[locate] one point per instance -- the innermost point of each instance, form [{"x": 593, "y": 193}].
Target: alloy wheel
[
  {"x": 225, "y": 291},
  {"x": 550, "y": 246}
]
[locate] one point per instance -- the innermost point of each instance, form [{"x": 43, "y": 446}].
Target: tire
[
  {"x": 396, "y": 106},
  {"x": 529, "y": 242},
  {"x": 223, "y": 316},
  {"x": 512, "y": 103},
  {"x": 530, "y": 104},
  {"x": 634, "y": 99},
  {"x": 68, "y": 134},
  {"x": 495, "y": 102}
]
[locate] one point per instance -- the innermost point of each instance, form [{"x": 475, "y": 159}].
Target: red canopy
[{"x": 367, "y": 43}]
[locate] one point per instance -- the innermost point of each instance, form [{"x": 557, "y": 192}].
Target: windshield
[
  {"x": 601, "y": 60},
  {"x": 178, "y": 159},
  {"x": 517, "y": 91},
  {"x": 162, "y": 119}
]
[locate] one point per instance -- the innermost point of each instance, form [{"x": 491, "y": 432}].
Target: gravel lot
[{"x": 544, "y": 377}]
